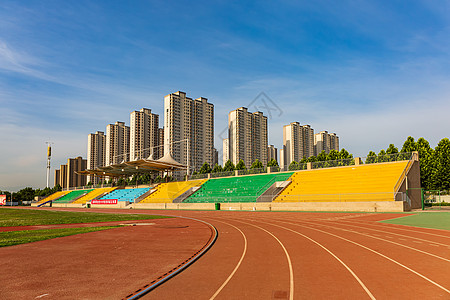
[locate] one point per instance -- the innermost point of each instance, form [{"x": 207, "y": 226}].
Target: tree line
[{"x": 28, "y": 193}]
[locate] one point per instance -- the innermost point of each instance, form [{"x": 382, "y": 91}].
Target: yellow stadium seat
[
  {"x": 167, "y": 192},
  {"x": 54, "y": 196},
  {"x": 371, "y": 182},
  {"x": 94, "y": 194}
]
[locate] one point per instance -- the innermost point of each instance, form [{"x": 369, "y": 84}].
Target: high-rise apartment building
[
  {"x": 185, "y": 118},
  {"x": 324, "y": 141},
  {"x": 298, "y": 142},
  {"x": 117, "y": 143},
  {"x": 272, "y": 153},
  {"x": 160, "y": 142},
  {"x": 226, "y": 151},
  {"x": 247, "y": 134},
  {"x": 96, "y": 153},
  {"x": 215, "y": 157},
  {"x": 66, "y": 176},
  {"x": 144, "y": 134},
  {"x": 334, "y": 142}
]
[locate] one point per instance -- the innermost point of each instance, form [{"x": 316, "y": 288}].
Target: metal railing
[
  {"x": 222, "y": 174},
  {"x": 200, "y": 176},
  {"x": 252, "y": 171},
  {"x": 332, "y": 163},
  {"x": 387, "y": 158},
  {"x": 342, "y": 197}
]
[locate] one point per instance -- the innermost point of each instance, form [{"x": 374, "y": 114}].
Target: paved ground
[
  {"x": 268, "y": 255},
  {"x": 99, "y": 265}
]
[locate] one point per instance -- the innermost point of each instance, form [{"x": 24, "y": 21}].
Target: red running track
[{"x": 288, "y": 255}]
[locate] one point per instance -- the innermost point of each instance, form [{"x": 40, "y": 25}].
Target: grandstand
[
  {"x": 170, "y": 191},
  {"x": 384, "y": 186},
  {"x": 71, "y": 196},
  {"x": 236, "y": 189},
  {"x": 126, "y": 194},
  {"x": 53, "y": 197},
  {"x": 372, "y": 182},
  {"x": 97, "y": 193}
]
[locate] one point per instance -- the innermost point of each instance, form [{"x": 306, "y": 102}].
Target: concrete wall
[
  {"x": 413, "y": 185},
  {"x": 76, "y": 205},
  {"x": 385, "y": 206},
  {"x": 192, "y": 206}
]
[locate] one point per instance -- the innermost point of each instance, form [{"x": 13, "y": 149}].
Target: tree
[
  {"x": 409, "y": 145},
  {"x": 322, "y": 156},
  {"x": 333, "y": 155},
  {"x": 344, "y": 154},
  {"x": 272, "y": 163},
  {"x": 205, "y": 169},
  {"x": 311, "y": 159},
  {"x": 371, "y": 158},
  {"x": 346, "y": 157},
  {"x": 293, "y": 166},
  {"x": 229, "y": 166},
  {"x": 391, "y": 152},
  {"x": 257, "y": 165},
  {"x": 217, "y": 168},
  {"x": 440, "y": 175},
  {"x": 241, "y": 165},
  {"x": 426, "y": 162},
  {"x": 392, "y": 149},
  {"x": 382, "y": 156}
]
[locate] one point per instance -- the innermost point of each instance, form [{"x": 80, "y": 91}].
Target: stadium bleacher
[
  {"x": 94, "y": 194},
  {"x": 372, "y": 182},
  {"x": 236, "y": 189},
  {"x": 53, "y": 196},
  {"x": 72, "y": 195},
  {"x": 167, "y": 192},
  {"x": 126, "y": 194}
]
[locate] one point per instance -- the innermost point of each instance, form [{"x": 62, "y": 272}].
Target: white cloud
[{"x": 20, "y": 62}]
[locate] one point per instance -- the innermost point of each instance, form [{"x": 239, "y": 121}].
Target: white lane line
[
  {"x": 399, "y": 228},
  {"x": 291, "y": 271},
  {"x": 378, "y": 253},
  {"x": 238, "y": 264},
  {"x": 332, "y": 254},
  {"x": 392, "y": 233},
  {"x": 392, "y": 242}
]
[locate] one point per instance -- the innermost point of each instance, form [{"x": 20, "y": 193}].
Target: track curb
[{"x": 178, "y": 269}]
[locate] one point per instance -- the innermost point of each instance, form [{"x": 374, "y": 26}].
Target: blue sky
[{"x": 374, "y": 72}]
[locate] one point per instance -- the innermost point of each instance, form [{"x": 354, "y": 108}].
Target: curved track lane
[{"x": 287, "y": 255}]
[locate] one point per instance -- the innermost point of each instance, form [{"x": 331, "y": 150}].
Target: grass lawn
[
  {"x": 11, "y": 238},
  {"x": 436, "y": 220},
  {"x": 23, "y": 217}
]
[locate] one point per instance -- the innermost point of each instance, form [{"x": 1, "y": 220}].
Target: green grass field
[
  {"x": 11, "y": 238},
  {"x": 24, "y": 217},
  {"x": 436, "y": 220}
]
